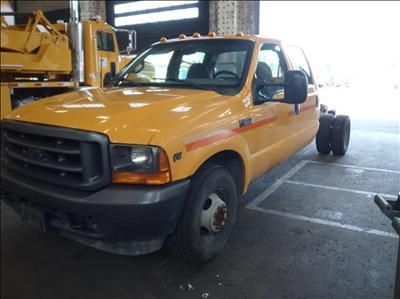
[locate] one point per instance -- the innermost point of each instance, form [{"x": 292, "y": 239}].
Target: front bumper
[{"x": 122, "y": 219}]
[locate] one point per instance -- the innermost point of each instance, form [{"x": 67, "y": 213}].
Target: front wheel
[{"x": 208, "y": 216}]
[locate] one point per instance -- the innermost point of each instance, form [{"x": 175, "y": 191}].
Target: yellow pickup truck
[{"x": 163, "y": 154}]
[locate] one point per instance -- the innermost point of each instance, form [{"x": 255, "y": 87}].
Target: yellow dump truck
[
  {"x": 165, "y": 152},
  {"x": 40, "y": 59}
]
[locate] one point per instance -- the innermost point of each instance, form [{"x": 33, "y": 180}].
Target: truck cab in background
[{"x": 40, "y": 59}]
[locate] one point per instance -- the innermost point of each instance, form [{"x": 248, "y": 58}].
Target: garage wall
[
  {"x": 53, "y": 10},
  {"x": 29, "y": 6},
  {"x": 228, "y": 17},
  {"x": 222, "y": 17},
  {"x": 59, "y": 10},
  {"x": 88, "y": 9},
  {"x": 151, "y": 32}
]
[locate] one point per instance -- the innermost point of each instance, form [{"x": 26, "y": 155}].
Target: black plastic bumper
[{"x": 122, "y": 219}]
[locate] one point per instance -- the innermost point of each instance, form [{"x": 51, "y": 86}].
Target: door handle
[{"x": 245, "y": 122}]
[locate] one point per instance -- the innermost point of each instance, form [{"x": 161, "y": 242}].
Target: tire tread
[
  {"x": 339, "y": 127},
  {"x": 323, "y": 138}
]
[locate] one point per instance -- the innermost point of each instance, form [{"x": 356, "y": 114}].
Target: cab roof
[{"x": 212, "y": 35}]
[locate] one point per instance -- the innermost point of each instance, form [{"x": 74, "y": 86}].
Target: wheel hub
[{"x": 214, "y": 213}]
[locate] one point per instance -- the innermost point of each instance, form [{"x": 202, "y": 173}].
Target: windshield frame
[{"x": 222, "y": 89}]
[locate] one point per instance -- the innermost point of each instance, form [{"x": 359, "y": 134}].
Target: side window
[
  {"x": 105, "y": 41},
  {"x": 299, "y": 61},
  {"x": 187, "y": 61},
  {"x": 271, "y": 66}
]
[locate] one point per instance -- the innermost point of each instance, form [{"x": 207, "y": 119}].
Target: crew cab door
[
  {"x": 298, "y": 61},
  {"x": 306, "y": 121}
]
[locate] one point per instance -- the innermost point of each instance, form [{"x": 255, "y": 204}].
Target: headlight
[
  {"x": 142, "y": 158},
  {"x": 139, "y": 165}
]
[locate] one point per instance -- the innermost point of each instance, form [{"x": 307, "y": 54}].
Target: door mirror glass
[{"x": 296, "y": 87}]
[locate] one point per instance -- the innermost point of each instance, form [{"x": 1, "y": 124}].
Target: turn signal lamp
[{"x": 159, "y": 177}]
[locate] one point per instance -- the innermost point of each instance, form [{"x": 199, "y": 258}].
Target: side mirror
[
  {"x": 293, "y": 91},
  {"x": 126, "y": 39},
  {"x": 129, "y": 50},
  {"x": 296, "y": 87}
]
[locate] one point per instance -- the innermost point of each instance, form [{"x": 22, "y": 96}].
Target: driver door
[
  {"x": 107, "y": 51},
  {"x": 270, "y": 119}
]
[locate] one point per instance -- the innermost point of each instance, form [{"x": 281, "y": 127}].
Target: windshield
[{"x": 220, "y": 65}]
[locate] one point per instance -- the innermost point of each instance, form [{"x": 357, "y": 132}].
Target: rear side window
[
  {"x": 105, "y": 41},
  {"x": 299, "y": 61}
]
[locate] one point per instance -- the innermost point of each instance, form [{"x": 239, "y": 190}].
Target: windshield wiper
[
  {"x": 186, "y": 82},
  {"x": 130, "y": 82},
  {"x": 117, "y": 81},
  {"x": 133, "y": 83}
]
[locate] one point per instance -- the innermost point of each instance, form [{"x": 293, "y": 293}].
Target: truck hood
[{"x": 125, "y": 115}]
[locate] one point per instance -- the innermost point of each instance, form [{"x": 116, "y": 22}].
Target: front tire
[{"x": 208, "y": 217}]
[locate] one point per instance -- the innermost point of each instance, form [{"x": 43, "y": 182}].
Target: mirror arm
[
  {"x": 260, "y": 98},
  {"x": 275, "y": 101},
  {"x": 276, "y": 84},
  {"x": 262, "y": 83}
]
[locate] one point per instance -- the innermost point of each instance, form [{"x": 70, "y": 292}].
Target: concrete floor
[{"x": 293, "y": 239}]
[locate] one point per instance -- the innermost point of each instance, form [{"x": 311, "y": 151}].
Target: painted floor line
[
  {"x": 393, "y": 131},
  {"x": 338, "y": 188},
  {"x": 267, "y": 192},
  {"x": 353, "y": 166},
  {"x": 325, "y": 222}
]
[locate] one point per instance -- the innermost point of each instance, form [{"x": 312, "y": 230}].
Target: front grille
[{"x": 66, "y": 157}]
